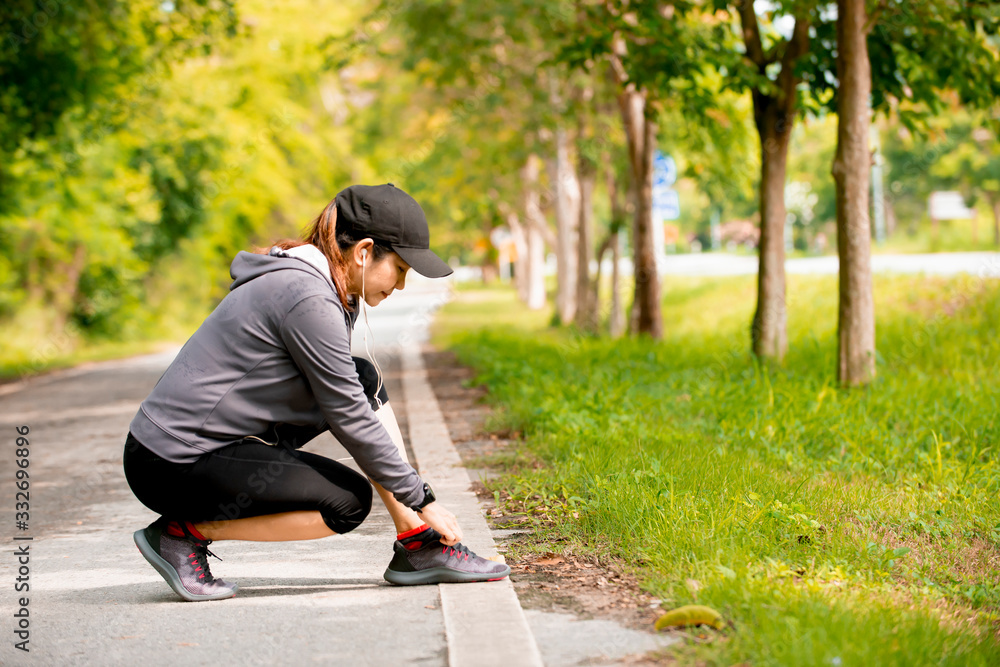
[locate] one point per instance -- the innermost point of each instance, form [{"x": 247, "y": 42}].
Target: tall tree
[
  {"x": 851, "y": 168},
  {"x": 638, "y": 117},
  {"x": 656, "y": 53},
  {"x": 920, "y": 51},
  {"x": 773, "y": 82},
  {"x": 534, "y": 263},
  {"x": 586, "y": 295},
  {"x": 566, "y": 202}
]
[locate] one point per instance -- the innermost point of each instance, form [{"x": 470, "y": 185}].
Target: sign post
[{"x": 666, "y": 203}]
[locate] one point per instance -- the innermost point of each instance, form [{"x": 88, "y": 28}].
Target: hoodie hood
[{"x": 248, "y": 265}]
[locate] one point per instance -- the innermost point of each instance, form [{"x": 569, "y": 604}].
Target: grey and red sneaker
[
  {"x": 424, "y": 559},
  {"x": 182, "y": 561}
]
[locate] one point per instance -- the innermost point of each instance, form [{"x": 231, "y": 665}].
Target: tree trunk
[
  {"x": 616, "y": 318},
  {"x": 607, "y": 244},
  {"x": 768, "y": 332},
  {"x": 647, "y": 279},
  {"x": 586, "y": 307},
  {"x": 996, "y": 220},
  {"x": 566, "y": 192},
  {"x": 641, "y": 134},
  {"x": 595, "y": 296},
  {"x": 489, "y": 270},
  {"x": 618, "y": 196},
  {"x": 890, "y": 217},
  {"x": 534, "y": 223},
  {"x": 851, "y": 169},
  {"x": 520, "y": 237},
  {"x": 774, "y": 116}
]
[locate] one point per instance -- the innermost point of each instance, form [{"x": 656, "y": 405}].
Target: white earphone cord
[{"x": 371, "y": 354}]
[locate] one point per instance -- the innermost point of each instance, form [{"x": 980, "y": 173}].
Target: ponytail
[{"x": 323, "y": 234}]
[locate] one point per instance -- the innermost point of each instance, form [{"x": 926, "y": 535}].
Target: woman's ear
[{"x": 363, "y": 251}]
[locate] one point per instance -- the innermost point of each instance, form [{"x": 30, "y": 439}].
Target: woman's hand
[{"x": 443, "y": 521}]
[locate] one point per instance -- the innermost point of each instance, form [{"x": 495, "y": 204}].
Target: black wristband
[{"x": 427, "y": 500}]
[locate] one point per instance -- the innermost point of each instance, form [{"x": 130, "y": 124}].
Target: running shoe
[
  {"x": 425, "y": 559},
  {"x": 182, "y": 562}
]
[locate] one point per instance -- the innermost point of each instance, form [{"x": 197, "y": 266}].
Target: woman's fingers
[
  {"x": 444, "y": 522},
  {"x": 454, "y": 534}
]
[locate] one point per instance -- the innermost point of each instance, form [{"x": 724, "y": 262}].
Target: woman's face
[{"x": 381, "y": 277}]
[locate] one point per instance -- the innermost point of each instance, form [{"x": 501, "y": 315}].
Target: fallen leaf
[{"x": 554, "y": 560}]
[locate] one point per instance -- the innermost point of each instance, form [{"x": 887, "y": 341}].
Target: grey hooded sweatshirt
[{"x": 272, "y": 361}]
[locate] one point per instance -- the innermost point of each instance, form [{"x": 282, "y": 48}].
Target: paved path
[{"x": 94, "y": 600}]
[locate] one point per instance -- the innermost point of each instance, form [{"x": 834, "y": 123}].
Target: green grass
[
  {"x": 829, "y": 526},
  {"x": 951, "y": 236},
  {"x": 35, "y": 343}
]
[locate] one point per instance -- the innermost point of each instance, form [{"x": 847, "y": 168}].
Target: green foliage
[
  {"x": 826, "y": 524},
  {"x": 463, "y": 111},
  {"x": 124, "y": 208},
  {"x": 917, "y": 52}
]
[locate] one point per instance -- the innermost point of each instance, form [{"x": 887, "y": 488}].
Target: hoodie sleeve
[{"x": 315, "y": 335}]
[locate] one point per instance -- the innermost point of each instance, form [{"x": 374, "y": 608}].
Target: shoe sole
[
  {"x": 169, "y": 574},
  {"x": 440, "y": 575}
]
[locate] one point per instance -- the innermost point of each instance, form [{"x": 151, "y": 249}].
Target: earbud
[{"x": 364, "y": 253}]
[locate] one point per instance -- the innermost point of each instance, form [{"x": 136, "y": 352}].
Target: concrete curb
[{"x": 484, "y": 622}]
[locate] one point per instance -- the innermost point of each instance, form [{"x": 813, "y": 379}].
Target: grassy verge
[
  {"x": 830, "y": 527},
  {"x": 34, "y": 343}
]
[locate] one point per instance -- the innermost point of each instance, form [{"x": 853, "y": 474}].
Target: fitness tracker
[{"x": 428, "y": 499}]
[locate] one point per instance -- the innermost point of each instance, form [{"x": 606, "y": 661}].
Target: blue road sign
[{"x": 664, "y": 170}]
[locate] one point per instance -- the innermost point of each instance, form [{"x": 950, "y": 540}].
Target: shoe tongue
[{"x": 414, "y": 542}]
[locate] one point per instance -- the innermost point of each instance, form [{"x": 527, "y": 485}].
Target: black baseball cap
[{"x": 387, "y": 214}]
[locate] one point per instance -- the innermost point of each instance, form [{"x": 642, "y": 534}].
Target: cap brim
[{"x": 424, "y": 262}]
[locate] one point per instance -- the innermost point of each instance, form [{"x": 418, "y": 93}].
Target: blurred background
[{"x": 143, "y": 144}]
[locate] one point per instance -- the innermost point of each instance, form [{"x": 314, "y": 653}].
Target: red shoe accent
[
  {"x": 194, "y": 532},
  {"x": 174, "y": 528},
  {"x": 497, "y": 579},
  {"x": 413, "y": 546},
  {"x": 411, "y": 533}
]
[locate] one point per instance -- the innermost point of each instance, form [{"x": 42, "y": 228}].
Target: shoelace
[
  {"x": 460, "y": 549},
  {"x": 199, "y": 557}
]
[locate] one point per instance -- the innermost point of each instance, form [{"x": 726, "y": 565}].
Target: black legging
[{"x": 250, "y": 478}]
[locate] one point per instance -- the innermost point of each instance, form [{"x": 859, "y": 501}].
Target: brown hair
[{"x": 333, "y": 243}]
